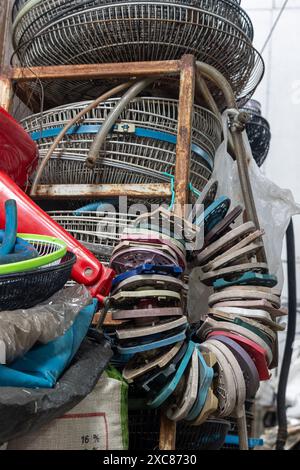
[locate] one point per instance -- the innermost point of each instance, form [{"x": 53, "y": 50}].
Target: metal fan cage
[
  {"x": 258, "y": 131},
  {"x": 19, "y": 4},
  {"x": 100, "y": 232},
  {"x": 143, "y": 155},
  {"x": 217, "y": 32}
]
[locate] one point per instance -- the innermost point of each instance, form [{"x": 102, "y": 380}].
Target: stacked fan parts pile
[
  {"x": 258, "y": 131},
  {"x": 55, "y": 32},
  {"x": 148, "y": 302},
  {"x": 240, "y": 328},
  {"x": 141, "y": 147}
]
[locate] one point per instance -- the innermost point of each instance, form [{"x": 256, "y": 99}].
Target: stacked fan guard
[
  {"x": 218, "y": 32},
  {"x": 140, "y": 149},
  {"x": 258, "y": 131}
]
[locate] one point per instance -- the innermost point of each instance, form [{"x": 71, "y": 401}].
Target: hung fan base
[
  {"x": 208, "y": 195},
  {"x": 130, "y": 298},
  {"x": 223, "y": 226},
  {"x": 225, "y": 386},
  {"x": 233, "y": 318},
  {"x": 144, "y": 363},
  {"x": 210, "y": 277},
  {"x": 152, "y": 383},
  {"x": 211, "y": 325},
  {"x": 210, "y": 407},
  {"x": 160, "y": 327},
  {"x": 259, "y": 315},
  {"x": 153, "y": 238},
  {"x": 167, "y": 391},
  {"x": 255, "y": 351},
  {"x": 149, "y": 346},
  {"x": 246, "y": 364},
  {"x": 170, "y": 251},
  {"x": 150, "y": 280},
  {"x": 129, "y": 259},
  {"x": 214, "y": 214},
  {"x": 244, "y": 294},
  {"x": 254, "y": 304},
  {"x": 225, "y": 242},
  {"x": 232, "y": 258},
  {"x": 147, "y": 313},
  {"x": 248, "y": 279},
  {"x": 149, "y": 269},
  {"x": 240, "y": 387},
  {"x": 206, "y": 376},
  {"x": 180, "y": 407}
]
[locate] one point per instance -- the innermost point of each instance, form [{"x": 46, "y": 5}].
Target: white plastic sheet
[{"x": 275, "y": 206}]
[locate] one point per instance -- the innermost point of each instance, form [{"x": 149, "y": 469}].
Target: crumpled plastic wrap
[
  {"x": 20, "y": 330},
  {"x": 275, "y": 206}
]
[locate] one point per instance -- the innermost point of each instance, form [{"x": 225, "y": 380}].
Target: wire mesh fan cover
[
  {"x": 19, "y": 4},
  {"x": 100, "y": 232},
  {"x": 217, "y": 32},
  {"x": 25, "y": 290},
  {"x": 141, "y": 156},
  {"x": 258, "y": 131}
]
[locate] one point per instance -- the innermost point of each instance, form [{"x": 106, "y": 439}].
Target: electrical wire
[
  {"x": 290, "y": 338},
  {"x": 274, "y": 26}
]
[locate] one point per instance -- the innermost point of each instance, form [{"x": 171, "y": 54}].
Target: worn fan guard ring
[
  {"x": 126, "y": 158},
  {"x": 148, "y": 31}
]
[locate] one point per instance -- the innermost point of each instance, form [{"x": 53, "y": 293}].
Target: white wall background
[{"x": 279, "y": 93}]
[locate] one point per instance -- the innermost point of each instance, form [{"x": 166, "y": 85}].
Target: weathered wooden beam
[
  {"x": 6, "y": 91},
  {"x": 90, "y": 71},
  {"x": 184, "y": 138},
  {"x": 75, "y": 191},
  {"x": 167, "y": 438}
]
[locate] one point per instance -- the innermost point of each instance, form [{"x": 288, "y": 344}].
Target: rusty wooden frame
[{"x": 185, "y": 68}]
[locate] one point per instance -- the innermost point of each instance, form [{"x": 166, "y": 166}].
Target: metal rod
[
  {"x": 73, "y": 191},
  {"x": 241, "y": 154}
]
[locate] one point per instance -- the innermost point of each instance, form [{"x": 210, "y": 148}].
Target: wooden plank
[
  {"x": 167, "y": 438},
  {"x": 184, "y": 138},
  {"x": 4, "y": 28},
  {"x": 6, "y": 91},
  {"x": 90, "y": 71},
  {"x": 74, "y": 191}
]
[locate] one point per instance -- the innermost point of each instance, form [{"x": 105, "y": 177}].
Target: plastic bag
[
  {"x": 26, "y": 410},
  {"x": 275, "y": 206},
  {"x": 21, "y": 329},
  {"x": 44, "y": 363}
]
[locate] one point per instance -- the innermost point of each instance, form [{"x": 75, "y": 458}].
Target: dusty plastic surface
[
  {"x": 21, "y": 329},
  {"x": 26, "y": 410},
  {"x": 275, "y": 206}
]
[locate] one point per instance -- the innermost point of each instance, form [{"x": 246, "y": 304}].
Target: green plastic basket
[{"x": 50, "y": 250}]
